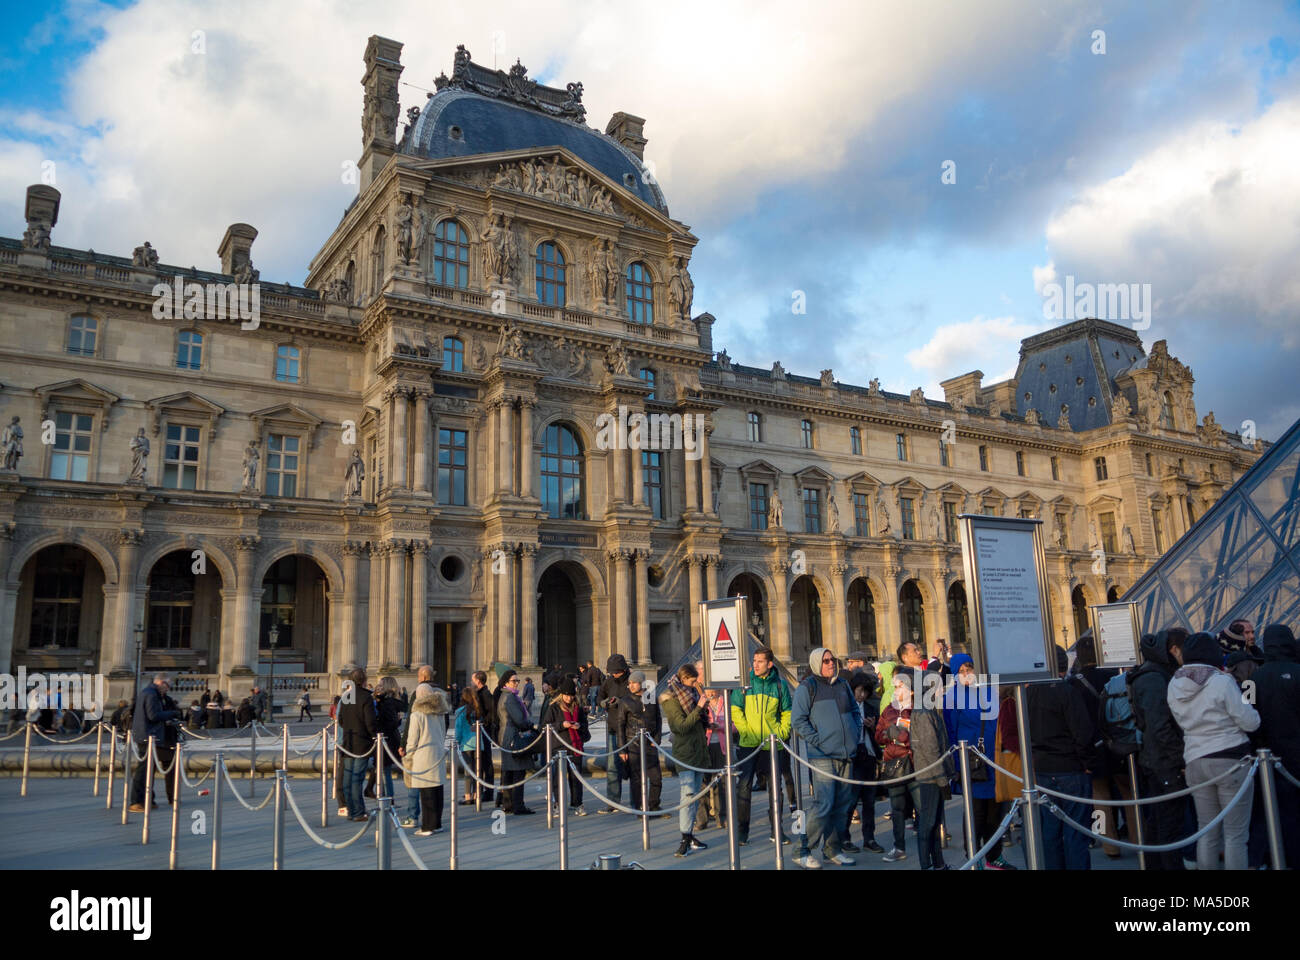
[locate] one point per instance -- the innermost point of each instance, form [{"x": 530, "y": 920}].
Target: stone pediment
[
  {"x": 78, "y": 392},
  {"x": 285, "y": 415},
  {"x": 862, "y": 479},
  {"x": 186, "y": 402},
  {"x": 812, "y": 476},
  {"x": 759, "y": 468}
]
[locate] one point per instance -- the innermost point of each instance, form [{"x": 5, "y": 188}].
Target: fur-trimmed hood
[{"x": 437, "y": 702}]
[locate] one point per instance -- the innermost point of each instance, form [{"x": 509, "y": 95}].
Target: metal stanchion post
[
  {"x": 384, "y": 834},
  {"x": 645, "y": 801},
  {"x": 774, "y": 798},
  {"x": 112, "y": 764},
  {"x": 150, "y": 758},
  {"x": 1268, "y": 790},
  {"x": 277, "y": 834},
  {"x": 795, "y": 768},
  {"x": 550, "y": 781},
  {"x": 252, "y": 755},
  {"x": 1033, "y": 836},
  {"x": 455, "y": 803},
  {"x": 1136, "y": 810},
  {"x": 563, "y": 775},
  {"x": 218, "y": 774},
  {"x": 324, "y": 777},
  {"x": 478, "y": 764},
  {"x": 178, "y": 760},
  {"x": 729, "y": 787},
  {"x": 99, "y": 754},
  {"x": 284, "y": 749},
  {"x": 336, "y": 759},
  {"x": 27, "y": 756},
  {"x": 127, "y": 750},
  {"x": 967, "y": 803}
]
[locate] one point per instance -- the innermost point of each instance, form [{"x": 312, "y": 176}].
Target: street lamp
[
  {"x": 139, "y": 658},
  {"x": 273, "y": 636}
]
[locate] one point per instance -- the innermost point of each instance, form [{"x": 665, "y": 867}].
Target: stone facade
[{"x": 306, "y": 466}]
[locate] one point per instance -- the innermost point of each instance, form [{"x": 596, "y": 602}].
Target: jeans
[
  {"x": 653, "y": 774},
  {"x": 829, "y": 807},
  {"x": 864, "y": 768},
  {"x": 902, "y": 796},
  {"x": 1164, "y": 820},
  {"x": 1065, "y": 848},
  {"x": 413, "y": 802},
  {"x": 575, "y": 785},
  {"x": 712, "y": 803},
  {"x": 692, "y": 783},
  {"x": 354, "y": 779},
  {"x": 928, "y": 798},
  {"x": 750, "y": 761},
  {"x": 1230, "y": 836},
  {"x": 615, "y": 770}
]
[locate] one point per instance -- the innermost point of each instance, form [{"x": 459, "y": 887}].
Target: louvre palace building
[{"x": 402, "y": 461}]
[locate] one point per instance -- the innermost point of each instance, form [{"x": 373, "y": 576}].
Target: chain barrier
[
  {"x": 293, "y": 805},
  {"x": 983, "y": 851},
  {"x": 632, "y": 810},
  {"x": 406, "y": 842},
  {"x": 1285, "y": 773},
  {"x": 44, "y": 736},
  {"x": 527, "y": 749},
  {"x": 1247, "y": 784},
  {"x": 244, "y": 803},
  {"x": 866, "y": 783},
  {"x": 1000, "y": 769}
]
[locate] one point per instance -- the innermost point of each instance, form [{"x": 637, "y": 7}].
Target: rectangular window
[
  {"x": 82, "y": 335},
  {"x": 758, "y": 506},
  {"x": 181, "y": 458},
  {"x": 652, "y": 476},
  {"x": 989, "y": 510},
  {"x": 861, "y": 515},
  {"x": 1020, "y": 462},
  {"x": 1026, "y": 513},
  {"x": 287, "y": 368},
  {"x": 943, "y": 455},
  {"x": 1056, "y": 469},
  {"x": 901, "y": 442},
  {"x": 855, "y": 441},
  {"x": 372, "y": 475},
  {"x": 755, "y": 428},
  {"x": 806, "y": 429},
  {"x": 984, "y": 459},
  {"x": 950, "y": 530},
  {"x": 1100, "y": 465},
  {"x": 1109, "y": 543},
  {"x": 453, "y": 460},
  {"x": 1158, "y": 529},
  {"x": 189, "y": 350},
  {"x": 70, "y": 459},
  {"x": 282, "y": 466},
  {"x": 1150, "y": 470},
  {"x": 812, "y": 510},
  {"x": 908, "y": 511}
]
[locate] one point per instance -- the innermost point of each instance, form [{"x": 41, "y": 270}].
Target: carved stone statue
[
  {"x": 717, "y": 499},
  {"x": 884, "y": 527},
  {"x": 1120, "y": 407},
  {"x": 244, "y": 273},
  {"x": 139, "y": 457},
  {"x": 775, "y": 512},
  {"x": 1129, "y": 545},
  {"x": 144, "y": 256},
  {"x": 12, "y": 442},
  {"x": 778, "y": 371},
  {"x": 36, "y": 236},
  {"x": 681, "y": 291},
  {"x": 1031, "y": 416},
  {"x": 251, "y": 460},
  {"x": 932, "y": 520},
  {"x": 511, "y": 344},
  {"x": 724, "y": 360},
  {"x": 873, "y": 387},
  {"x": 1063, "y": 421},
  {"x": 917, "y": 396},
  {"x": 403, "y": 228},
  {"x": 356, "y": 472},
  {"x": 604, "y": 272},
  {"x": 828, "y": 378},
  {"x": 832, "y": 515},
  {"x": 1060, "y": 533},
  {"x": 616, "y": 361},
  {"x": 499, "y": 253}
]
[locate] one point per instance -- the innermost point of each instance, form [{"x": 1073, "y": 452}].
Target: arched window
[
  {"x": 648, "y": 376},
  {"x": 450, "y": 255},
  {"x": 562, "y": 474},
  {"x": 350, "y": 278},
  {"x": 1167, "y": 411},
  {"x": 453, "y": 354},
  {"x": 288, "y": 364},
  {"x": 550, "y": 275},
  {"x": 639, "y": 287},
  {"x": 189, "y": 350},
  {"x": 378, "y": 252},
  {"x": 171, "y": 603}
]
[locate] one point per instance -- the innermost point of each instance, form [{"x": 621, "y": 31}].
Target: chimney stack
[
  {"x": 381, "y": 108},
  {"x": 627, "y": 130},
  {"x": 236, "y": 248}
]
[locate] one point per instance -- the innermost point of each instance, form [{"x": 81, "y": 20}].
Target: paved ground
[{"x": 60, "y": 825}]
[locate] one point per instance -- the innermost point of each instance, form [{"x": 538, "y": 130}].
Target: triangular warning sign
[{"x": 723, "y": 640}]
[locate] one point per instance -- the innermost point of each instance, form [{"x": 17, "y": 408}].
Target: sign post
[{"x": 725, "y": 647}]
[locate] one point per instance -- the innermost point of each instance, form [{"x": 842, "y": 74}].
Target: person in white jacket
[
  {"x": 1207, "y": 703},
  {"x": 425, "y": 752}
]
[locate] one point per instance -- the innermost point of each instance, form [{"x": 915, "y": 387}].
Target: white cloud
[
  {"x": 1044, "y": 275},
  {"x": 982, "y": 343}
]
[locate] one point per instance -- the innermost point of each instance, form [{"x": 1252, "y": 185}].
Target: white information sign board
[
  {"x": 725, "y": 642},
  {"x": 1116, "y": 634}
]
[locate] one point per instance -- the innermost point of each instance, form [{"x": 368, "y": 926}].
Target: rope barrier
[
  {"x": 632, "y": 810},
  {"x": 596, "y": 756},
  {"x": 193, "y": 784},
  {"x": 687, "y": 766},
  {"x": 311, "y": 745},
  {"x": 496, "y": 786},
  {"x": 1285, "y": 773},
  {"x": 866, "y": 783},
  {"x": 1186, "y": 791},
  {"x": 413, "y": 773},
  {"x": 246, "y": 805},
  {"x": 159, "y": 767},
  {"x": 527, "y": 749},
  {"x": 1246, "y": 784},
  {"x": 406, "y": 842},
  {"x": 1000, "y": 769},
  {"x": 17, "y": 733},
  {"x": 354, "y": 756},
  {"x": 293, "y": 805},
  {"x": 983, "y": 851},
  {"x": 44, "y": 736},
  {"x": 190, "y": 731}
]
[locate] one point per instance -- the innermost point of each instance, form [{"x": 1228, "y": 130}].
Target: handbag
[
  {"x": 896, "y": 767},
  {"x": 979, "y": 769},
  {"x": 1006, "y": 788}
]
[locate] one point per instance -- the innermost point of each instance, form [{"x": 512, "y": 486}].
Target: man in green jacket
[{"x": 761, "y": 708}]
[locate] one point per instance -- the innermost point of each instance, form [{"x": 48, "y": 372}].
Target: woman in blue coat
[{"x": 966, "y": 719}]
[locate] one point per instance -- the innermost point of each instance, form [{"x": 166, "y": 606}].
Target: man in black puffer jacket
[
  {"x": 150, "y": 719},
  {"x": 1161, "y": 755},
  {"x": 1277, "y": 698},
  {"x": 358, "y": 724},
  {"x": 612, "y": 692}
]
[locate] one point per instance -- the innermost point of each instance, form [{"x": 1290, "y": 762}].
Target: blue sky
[{"x": 805, "y": 151}]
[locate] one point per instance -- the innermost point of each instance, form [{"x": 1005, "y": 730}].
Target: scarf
[
  {"x": 685, "y": 695},
  {"x": 570, "y": 715}
]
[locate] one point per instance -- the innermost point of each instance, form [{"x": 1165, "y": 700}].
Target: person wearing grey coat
[{"x": 516, "y": 733}]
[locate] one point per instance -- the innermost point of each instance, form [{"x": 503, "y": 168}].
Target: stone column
[
  {"x": 373, "y": 654},
  {"x": 421, "y": 441},
  {"x": 506, "y": 605},
  {"x": 490, "y": 643},
  {"x": 505, "y": 438},
  {"x": 433, "y": 462},
  {"x": 839, "y": 610},
  {"x": 122, "y": 649},
  {"x": 692, "y": 485},
  {"x": 712, "y": 562},
  {"x": 779, "y": 613},
  {"x": 398, "y": 477},
  {"x": 528, "y": 603},
  {"x": 706, "y": 472},
  {"x": 693, "y": 575},
  {"x": 8, "y": 596},
  {"x": 492, "y": 448},
  {"x": 526, "y": 462},
  {"x": 395, "y": 635},
  {"x": 638, "y": 486},
  {"x": 228, "y": 642},
  {"x": 352, "y": 550},
  {"x": 623, "y": 612},
  {"x": 617, "y": 475},
  {"x": 643, "y": 606},
  {"x": 419, "y": 602},
  {"x": 247, "y": 606}
]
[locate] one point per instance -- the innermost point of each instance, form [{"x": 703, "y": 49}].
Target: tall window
[
  {"x": 1167, "y": 411},
  {"x": 950, "y": 532},
  {"x": 282, "y": 466},
  {"x": 372, "y": 460},
  {"x": 806, "y": 433},
  {"x": 550, "y": 275},
  {"x": 758, "y": 506},
  {"x": 812, "y": 510},
  {"x": 907, "y": 508},
  {"x": 450, "y": 255},
  {"x": 287, "y": 364},
  {"x": 1099, "y": 465},
  {"x": 56, "y": 597},
  {"x": 70, "y": 459},
  {"x": 453, "y": 457},
  {"x": 648, "y": 376},
  {"x": 639, "y": 289},
  {"x": 755, "y": 427},
  {"x": 453, "y": 354},
  {"x": 171, "y": 602},
  {"x": 855, "y": 441},
  {"x": 984, "y": 459},
  {"x": 562, "y": 473},
  {"x": 901, "y": 442},
  {"x": 1158, "y": 529},
  {"x": 1108, "y": 539},
  {"x": 943, "y": 454},
  {"x": 82, "y": 335},
  {"x": 1150, "y": 466},
  {"x": 181, "y": 457},
  {"x": 1020, "y": 462},
  {"x": 861, "y": 515},
  {"x": 652, "y": 479},
  {"x": 1056, "y": 468},
  {"x": 189, "y": 350}
]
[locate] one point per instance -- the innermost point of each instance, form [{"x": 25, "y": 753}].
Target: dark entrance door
[{"x": 557, "y": 620}]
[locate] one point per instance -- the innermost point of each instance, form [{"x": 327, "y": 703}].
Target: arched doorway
[
  {"x": 746, "y": 585},
  {"x": 958, "y": 616},
  {"x": 1113, "y": 594},
  {"x": 862, "y": 620},
  {"x": 295, "y": 594},
  {"x": 805, "y": 620},
  {"x": 564, "y": 616},
  {"x": 183, "y": 616},
  {"x": 60, "y": 607},
  {"x": 913, "y": 609},
  {"x": 1079, "y": 603}
]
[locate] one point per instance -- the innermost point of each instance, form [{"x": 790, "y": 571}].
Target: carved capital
[
  {"x": 419, "y": 547},
  {"x": 7, "y": 530},
  {"x": 528, "y": 549},
  {"x": 248, "y": 544},
  {"x": 354, "y": 548},
  {"x": 398, "y": 545},
  {"x": 129, "y": 537}
]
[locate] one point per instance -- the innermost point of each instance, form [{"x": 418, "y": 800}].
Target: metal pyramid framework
[{"x": 1240, "y": 560}]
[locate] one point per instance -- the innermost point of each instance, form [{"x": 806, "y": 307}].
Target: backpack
[{"x": 1115, "y": 718}]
